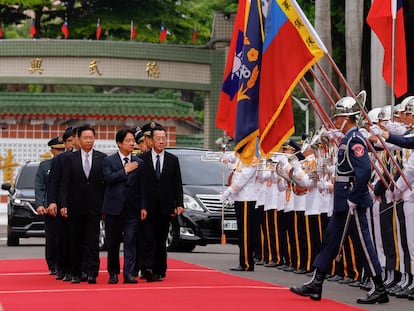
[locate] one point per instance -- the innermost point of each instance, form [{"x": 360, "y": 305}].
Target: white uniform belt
[{"x": 344, "y": 178}]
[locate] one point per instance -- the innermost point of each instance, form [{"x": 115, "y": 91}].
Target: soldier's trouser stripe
[{"x": 364, "y": 246}]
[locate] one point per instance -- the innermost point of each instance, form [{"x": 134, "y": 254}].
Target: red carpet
[{"x": 25, "y": 285}]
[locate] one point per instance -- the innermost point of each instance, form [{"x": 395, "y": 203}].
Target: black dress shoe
[
  {"x": 299, "y": 271},
  {"x": 129, "y": 279},
  {"x": 113, "y": 279},
  {"x": 147, "y": 275},
  {"x": 59, "y": 275},
  {"x": 91, "y": 279},
  {"x": 156, "y": 278},
  {"x": 53, "y": 271},
  {"x": 75, "y": 279},
  {"x": 271, "y": 264},
  {"x": 67, "y": 277},
  {"x": 238, "y": 268},
  {"x": 84, "y": 277}
]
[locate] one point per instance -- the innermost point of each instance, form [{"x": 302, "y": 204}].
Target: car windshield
[
  {"x": 26, "y": 178},
  {"x": 194, "y": 171}
]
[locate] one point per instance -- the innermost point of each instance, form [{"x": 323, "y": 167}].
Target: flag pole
[{"x": 394, "y": 18}]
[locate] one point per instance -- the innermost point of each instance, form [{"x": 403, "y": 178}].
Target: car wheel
[
  {"x": 173, "y": 236},
  {"x": 173, "y": 240},
  {"x": 102, "y": 235},
  {"x": 12, "y": 240}
]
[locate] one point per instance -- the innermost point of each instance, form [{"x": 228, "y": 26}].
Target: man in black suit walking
[
  {"x": 82, "y": 192},
  {"x": 164, "y": 194},
  {"x": 123, "y": 175}
]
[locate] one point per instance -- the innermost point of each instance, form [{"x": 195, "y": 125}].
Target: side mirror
[{"x": 7, "y": 186}]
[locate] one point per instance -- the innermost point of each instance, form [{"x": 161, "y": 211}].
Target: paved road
[{"x": 222, "y": 257}]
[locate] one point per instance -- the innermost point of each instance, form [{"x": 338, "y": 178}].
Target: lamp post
[{"x": 303, "y": 107}]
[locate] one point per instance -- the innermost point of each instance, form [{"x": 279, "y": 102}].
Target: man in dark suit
[
  {"x": 123, "y": 200},
  {"x": 164, "y": 194},
  {"x": 41, "y": 179},
  {"x": 82, "y": 191},
  {"x": 53, "y": 197}
]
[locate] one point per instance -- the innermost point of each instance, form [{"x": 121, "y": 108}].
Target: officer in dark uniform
[
  {"x": 353, "y": 172},
  {"x": 42, "y": 175}
]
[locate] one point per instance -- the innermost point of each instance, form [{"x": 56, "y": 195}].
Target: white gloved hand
[
  {"x": 375, "y": 130},
  {"x": 352, "y": 206},
  {"x": 283, "y": 160},
  {"x": 389, "y": 196},
  {"x": 335, "y": 134},
  {"x": 364, "y": 133},
  {"x": 227, "y": 194},
  {"x": 396, "y": 128},
  {"x": 398, "y": 195},
  {"x": 330, "y": 169}
]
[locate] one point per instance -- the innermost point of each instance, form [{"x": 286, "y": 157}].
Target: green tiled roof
[{"x": 93, "y": 105}]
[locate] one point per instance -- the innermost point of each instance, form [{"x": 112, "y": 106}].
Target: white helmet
[
  {"x": 373, "y": 114},
  {"x": 385, "y": 113},
  {"x": 409, "y": 107},
  {"x": 346, "y": 106}
]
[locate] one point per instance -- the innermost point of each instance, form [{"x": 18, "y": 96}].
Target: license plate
[{"x": 230, "y": 224}]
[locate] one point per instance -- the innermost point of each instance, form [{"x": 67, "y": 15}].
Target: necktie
[
  {"x": 125, "y": 160},
  {"x": 87, "y": 166},
  {"x": 158, "y": 167}
]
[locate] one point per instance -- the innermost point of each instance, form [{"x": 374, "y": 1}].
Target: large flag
[
  {"x": 247, "y": 126},
  {"x": 33, "y": 30},
  {"x": 380, "y": 18},
  {"x": 226, "y": 110},
  {"x": 291, "y": 46},
  {"x": 133, "y": 31},
  {"x": 65, "y": 29},
  {"x": 1, "y": 32},
  {"x": 98, "y": 29},
  {"x": 163, "y": 33}
]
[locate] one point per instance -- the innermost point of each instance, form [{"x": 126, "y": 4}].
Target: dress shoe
[
  {"x": 59, "y": 275},
  {"x": 156, "y": 278},
  {"x": 84, "y": 277},
  {"x": 345, "y": 281},
  {"x": 240, "y": 268},
  {"x": 260, "y": 263},
  {"x": 271, "y": 264},
  {"x": 147, "y": 275},
  {"x": 313, "y": 288},
  {"x": 53, "y": 271},
  {"x": 113, "y": 279},
  {"x": 379, "y": 295},
  {"x": 299, "y": 271},
  {"x": 129, "y": 279},
  {"x": 289, "y": 269},
  {"x": 91, "y": 279},
  {"x": 75, "y": 279},
  {"x": 67, "y": 277},
  {"x": 281, "y": 267},
  {"x": 355, "y": 284},
  {"x": 335, "y": 278}
]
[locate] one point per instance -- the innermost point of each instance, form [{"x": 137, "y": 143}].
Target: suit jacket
[
  {"x": 55, "y": 178},
  {"x": 165, "y": 194},
  {"x": 122, "y": 191},
  {"x": 81, "y": 195},
  {"x": 41, "y": 179}
]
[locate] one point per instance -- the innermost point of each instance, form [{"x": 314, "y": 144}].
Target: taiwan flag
[
  {"x": 291, "y": 47},
  {"x": 133, "y": 31},
  {"x": 98, "y": 29},
  {"x": 33, "y": 30},
  {"x": 65, "y": 29},
  {"x": 226, "y": 110},
  {"x": 195, "y": 34},
  {"x": 163, "y": 33},
  {"x": 380, "y": 19}
]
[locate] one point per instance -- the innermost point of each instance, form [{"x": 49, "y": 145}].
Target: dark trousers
[
  {"x": 388, "y": 235},
  {"x": 359, "y": 232},
  {"x": 271, "y": 234},
  {"x": 155, "y": 231},
  {"x": 301, "y": 240},
  {"x": 51, "y": 242},
  {"x": 84, "y": 244},
  {"x": 313, "y": 230},
  {"x": 260, "y": 251},
  {"x": 245, "y": 227},
  {"x": 282, "y": 238},
  {"x": 121, "y": 228},
  {"x": 63, "y": 249}
]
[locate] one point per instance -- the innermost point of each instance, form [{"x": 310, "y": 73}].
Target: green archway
[{"x": 109, "y": 63}]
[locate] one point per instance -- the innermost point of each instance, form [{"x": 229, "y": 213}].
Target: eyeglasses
[{"x": 160, "y": 138}]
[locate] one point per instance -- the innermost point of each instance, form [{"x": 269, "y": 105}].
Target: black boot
[
  {"x": 313, "y": 288},
  {"x": 377, "y": 295}
]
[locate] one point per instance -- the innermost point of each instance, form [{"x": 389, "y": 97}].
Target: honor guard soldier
[{"x": 351, "y": 197}]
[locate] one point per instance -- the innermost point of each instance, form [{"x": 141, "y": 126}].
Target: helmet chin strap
[{"x": 343, "y": 123}]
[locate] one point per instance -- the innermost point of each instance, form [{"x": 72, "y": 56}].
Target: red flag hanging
[
  {"x": 133, "y": 31},
  {"x": 380, "y": 18},
  {"x": 33, "y": 30},
  {"x": 1, "y": 32},
  {"x": 195, "y": 34},
  {"x": 98, "y": 29},
  {"x": 163, "y": 33},
  {"x": 65, "y": 29}
]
